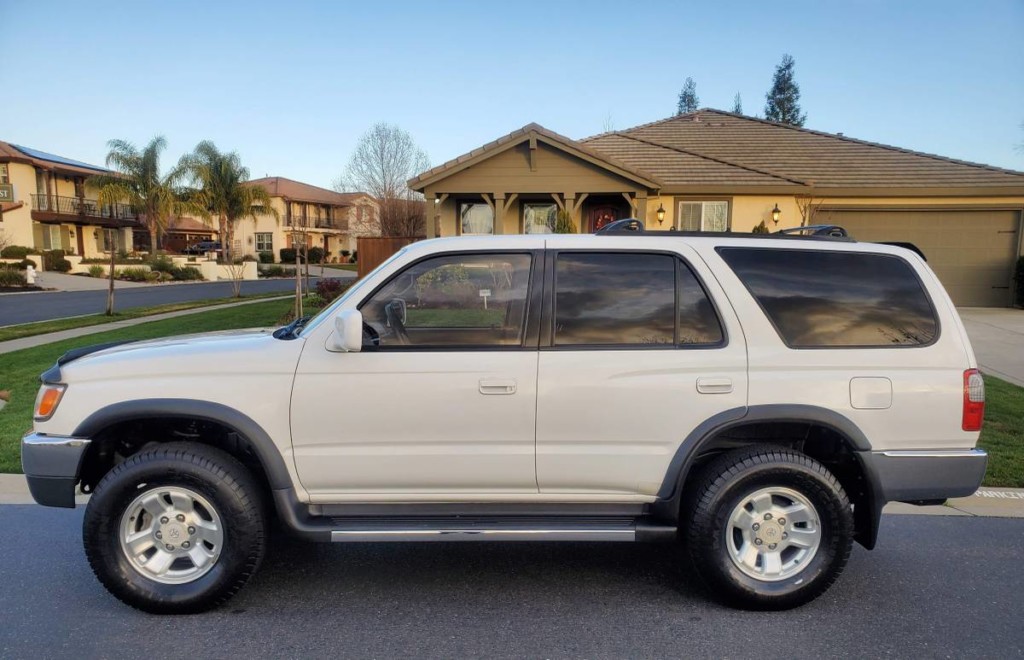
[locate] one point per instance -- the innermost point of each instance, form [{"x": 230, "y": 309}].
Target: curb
[{"x": 985, "y": 503}]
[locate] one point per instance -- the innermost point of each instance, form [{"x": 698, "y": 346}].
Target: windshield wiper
[{"x": 291, "y": 331}]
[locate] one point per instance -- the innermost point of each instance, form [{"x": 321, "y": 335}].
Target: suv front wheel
[
  {"x": 175, "y": 529},
  {"x": 770, "y": 528}
]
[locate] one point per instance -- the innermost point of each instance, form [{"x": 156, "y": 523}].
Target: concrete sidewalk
[
  {"x": 39, "y": 340},
  {"x": 64, "y": 282},
  {"x": 997, "y": 336},
  {"x": 986, "y": 503}
]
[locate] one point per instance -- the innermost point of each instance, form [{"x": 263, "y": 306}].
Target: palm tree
[
  {"x": 137, "y": 181},
  {"x": 222, "y": 190}
]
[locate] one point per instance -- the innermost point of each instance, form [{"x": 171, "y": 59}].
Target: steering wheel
[{"x": 393, "y": 311}]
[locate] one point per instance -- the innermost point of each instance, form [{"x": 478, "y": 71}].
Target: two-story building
[
  {"x": 46, "y": 202},
  {"x": 307, "y": 214}
]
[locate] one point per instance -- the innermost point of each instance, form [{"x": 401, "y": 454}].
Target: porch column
[
  {"x": 430, "y": 219},
  {"x": 499, "y": 213},
  {"x": 641, "y": 206}
]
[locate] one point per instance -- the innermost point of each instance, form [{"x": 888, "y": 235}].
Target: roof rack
[{"x": 635, "y": 227}]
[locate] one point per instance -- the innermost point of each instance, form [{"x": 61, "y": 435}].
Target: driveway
[{"x": 997, "y": 335}]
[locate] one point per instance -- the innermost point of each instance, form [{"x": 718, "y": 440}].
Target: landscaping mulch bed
[{"x": 20, "y": 289}]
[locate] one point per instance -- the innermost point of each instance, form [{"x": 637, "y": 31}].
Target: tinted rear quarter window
[{"x": 831, "y": 299}]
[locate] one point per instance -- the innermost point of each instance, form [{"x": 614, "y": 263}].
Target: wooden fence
[{"x": 375, "y": 250}]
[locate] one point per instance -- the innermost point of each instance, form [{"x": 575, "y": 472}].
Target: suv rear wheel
[
  {"x": 770, "y": 528},
  {"x": 175, "y": 529}
]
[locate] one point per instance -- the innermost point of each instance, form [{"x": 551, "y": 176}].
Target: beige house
[
  {"x": 717, "y": 171},
  {"x": 323, "y": 218},
  {"x": 47, "y": 203}
]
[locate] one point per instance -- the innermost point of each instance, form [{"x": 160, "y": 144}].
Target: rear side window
[
  {"x": 630, "y": 298},
  {"x": 821, "y": 299}
]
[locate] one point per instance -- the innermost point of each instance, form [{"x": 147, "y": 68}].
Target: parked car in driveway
[
  {"x": 202, "y": 247},
  {"x": 755, "y": 400}
]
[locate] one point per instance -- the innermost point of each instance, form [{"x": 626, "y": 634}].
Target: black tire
[
  {"x": 207, "y": 471},
  {"x": 725, "y": 484}
]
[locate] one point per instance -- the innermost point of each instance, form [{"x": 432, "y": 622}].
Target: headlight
[{"x": 47, "y": 400}]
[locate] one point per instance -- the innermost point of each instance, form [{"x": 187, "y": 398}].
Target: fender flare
[
  {"x": 689, "y": 449},
  {"x": 125, "y": 411}
]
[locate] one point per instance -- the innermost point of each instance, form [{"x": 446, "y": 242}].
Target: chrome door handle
[
  {"x": 498, "y": 386},
  {"x": 714, "y": 385}
]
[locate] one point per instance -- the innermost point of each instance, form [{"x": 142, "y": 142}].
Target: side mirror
[{"x": 348, "y": 332}]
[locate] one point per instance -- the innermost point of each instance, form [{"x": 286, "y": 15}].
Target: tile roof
[
  {"x": 711, "y": 144},
  {"x": 296, "y": 191}
]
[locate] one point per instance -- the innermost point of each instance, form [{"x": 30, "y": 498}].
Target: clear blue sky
[{"x": 292, "y": 85}]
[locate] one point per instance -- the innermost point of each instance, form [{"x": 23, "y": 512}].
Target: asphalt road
[
  {"x": 936, "y": 587},
  {"x": 46, "y": 305}
]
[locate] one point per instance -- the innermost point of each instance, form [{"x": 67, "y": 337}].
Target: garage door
[{"x": 972, "y": 252}]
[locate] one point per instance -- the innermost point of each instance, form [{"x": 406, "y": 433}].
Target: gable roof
[
  {"x": 530, "y": 132},
  {"x": 296, "y": 191},
  {"x": 804, "y": 157},
  {"x": 13, "y": 153}
]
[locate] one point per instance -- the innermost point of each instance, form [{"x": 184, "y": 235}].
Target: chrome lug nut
[
  {"x": 164, "y": 520},
  {"x": 758, "y": 541},
  {"x": 782, "y": 521},
  {"x": 180, "y": 517},
  {"x": 767, "y": 516},
  {"x": 771, "y": 546},
  {"x": 186, "y": 544},
  {"x": 785, "y": 535},
  {"x": 755, "y": 526},
  {"x": 191, "y": 530},
  {"x": 170, "y": 547},
  {"x": 159, "y": 534}
]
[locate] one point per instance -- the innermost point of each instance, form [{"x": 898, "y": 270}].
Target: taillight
[{"x": 974, "y": 400}]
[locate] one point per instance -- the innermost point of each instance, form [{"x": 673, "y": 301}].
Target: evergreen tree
[
  {"x": 782, "y": 102},
  {"x": 688, "y": 100},
  {"x": 737, "y": 104}
]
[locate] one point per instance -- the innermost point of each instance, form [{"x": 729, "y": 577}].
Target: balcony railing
[
  {"x": 89, "y": 208},
  {"x": 311, "y": 222}
]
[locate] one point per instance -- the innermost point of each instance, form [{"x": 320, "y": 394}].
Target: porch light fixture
[
  {"x": 775, "y": 214},
  {"x": 661, "y": 213}
]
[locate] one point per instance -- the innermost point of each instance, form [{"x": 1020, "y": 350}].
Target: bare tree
[
  {"x": 808, "y": 205},
  {"x": 385, "y": 158}
]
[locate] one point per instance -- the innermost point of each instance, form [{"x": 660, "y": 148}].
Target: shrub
[
  {"x": 316, "y": 255},
  {"x": 97, "y": 270},
  {"x": 564, "y": 223},
  {"x": 133, "y": 274},
  {"x": 11, "y": 278},
  {"x": 51, "y": 259},
  {"x": 62, "y": 266},
  {"x": 287, "y": 255},
  {"x": 266, "y": 257},
  {"x": 153, "y": 276},
  {"x": 760, "y": 229},
  {"x": 16, "y": 252},
  {"x": 25, "y": 263},
  {"x": 161, "y": 263},
  {"x": 186, "y": 274},
  {"x": 330, "y": 288},
  {"x": 346, "y": 253},
  {"x": 1019, "y": 277}
]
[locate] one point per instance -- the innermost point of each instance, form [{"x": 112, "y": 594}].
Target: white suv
[{"x": 757, "y": 398}]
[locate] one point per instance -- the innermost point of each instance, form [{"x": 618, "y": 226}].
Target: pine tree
[
  {"x": 688, "y": 100},
  {"x": 782, "y": 103},
  {"x": 737, "y": 104}
]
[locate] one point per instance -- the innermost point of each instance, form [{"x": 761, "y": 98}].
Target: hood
[{"x": 228, "y": 351}]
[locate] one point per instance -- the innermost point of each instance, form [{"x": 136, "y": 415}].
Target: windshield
[{"x": 330, "y": 310}]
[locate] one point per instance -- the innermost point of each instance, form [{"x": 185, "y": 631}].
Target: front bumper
[
  {"x": 51, "y": 464},
  {"x": 915, "y": 476}
]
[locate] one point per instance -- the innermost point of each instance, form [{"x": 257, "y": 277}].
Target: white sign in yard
[{"x": 485, "y": 294}]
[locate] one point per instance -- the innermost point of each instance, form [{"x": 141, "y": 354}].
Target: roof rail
[
  {"x": 624, "y": 226},
  {"x": 834, "y": 231}
]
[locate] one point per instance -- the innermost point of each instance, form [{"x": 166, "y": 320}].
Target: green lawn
[
  {"x": 1003, "y": 433},
  {"x": 19, "y": 371},
  {"x": 56, "y": 325}
]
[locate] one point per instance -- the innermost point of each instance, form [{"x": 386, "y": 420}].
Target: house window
[
  {"x": 51, "y": 237},
  {"x": 264, "y": 242},
  {"x": 4, "y": 176},
  {"x": 703, "y": 216},
  {"x": 40, "y": 182},
  {"x": 539, "y": 218},
  {"x": 476, "y": 218},
  {"x": 103, "y": 242}
]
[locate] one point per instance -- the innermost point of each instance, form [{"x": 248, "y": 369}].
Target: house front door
[{"x": 599, "y": 216}]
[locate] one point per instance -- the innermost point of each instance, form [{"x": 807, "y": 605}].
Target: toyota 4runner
[{"x": 757, "y": 399}]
